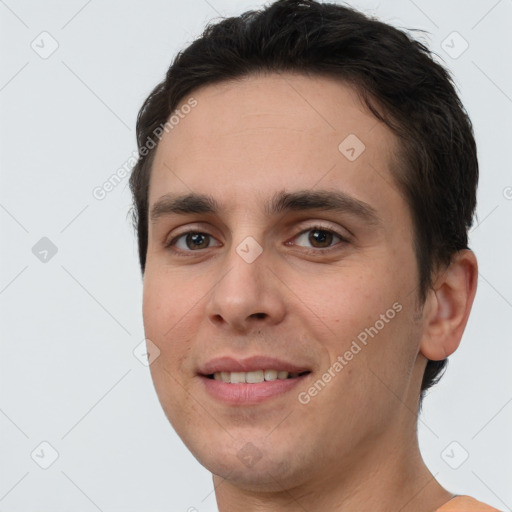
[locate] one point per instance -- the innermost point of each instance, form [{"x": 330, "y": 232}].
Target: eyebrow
[{"x": 301, "y": 200}]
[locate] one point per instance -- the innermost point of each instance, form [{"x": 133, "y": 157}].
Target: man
[{"x": 306, "y": 181}]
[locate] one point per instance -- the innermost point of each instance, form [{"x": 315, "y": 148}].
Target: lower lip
[{"x": 248, "y": 394}]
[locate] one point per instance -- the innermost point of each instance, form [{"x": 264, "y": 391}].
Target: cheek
[
  {"x": 164, "y": 315},
  {"x": 344, "y": 299},
  {"x": 168, "y": 315},
  {"x": 360, "y": 313},
  {"x": 169, "y": 300}
]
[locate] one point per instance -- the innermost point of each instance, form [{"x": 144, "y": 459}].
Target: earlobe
[{"x": 451, "y": 302}]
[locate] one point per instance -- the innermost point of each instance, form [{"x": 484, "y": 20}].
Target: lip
[
  {"x": 249, "y": 364},
  {"x": 249, "y": 394},
  {"x": 244, "y": 393}
]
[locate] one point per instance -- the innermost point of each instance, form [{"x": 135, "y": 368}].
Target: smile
[
  {"x": 236, "y": 388},
  {"x": 254, "y": 377}
]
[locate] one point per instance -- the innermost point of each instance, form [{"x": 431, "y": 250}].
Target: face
[{"x": 296, "y": 255}]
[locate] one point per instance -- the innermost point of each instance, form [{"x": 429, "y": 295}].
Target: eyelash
[{"x": 181, "y": 252}]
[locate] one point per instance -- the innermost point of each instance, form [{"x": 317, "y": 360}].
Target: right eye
[{"x": 190, "y": 241}]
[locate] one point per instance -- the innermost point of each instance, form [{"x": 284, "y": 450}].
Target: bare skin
[{"x": 304, "y": 299}]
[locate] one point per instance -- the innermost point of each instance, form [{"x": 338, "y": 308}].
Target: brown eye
[
  {"x": 320, "y": 238},
  {"x": 191, "y": 241},
  {"x": 196, "y": 240}
]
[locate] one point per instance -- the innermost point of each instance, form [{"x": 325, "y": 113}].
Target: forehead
[{"x": 247, "y": 139}]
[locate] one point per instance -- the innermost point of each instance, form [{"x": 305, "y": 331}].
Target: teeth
[
  {"x": 237, "y": 377},
  {"x": 253, "y": 377},
  {"x": 271, "y": 374}
]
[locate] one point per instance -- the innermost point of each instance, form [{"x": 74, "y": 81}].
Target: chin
[
  {"x": 266, "y": 467},
  {"x": 270, "y": 476}
]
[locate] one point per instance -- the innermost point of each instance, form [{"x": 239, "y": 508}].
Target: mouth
[
  {"x": 254, "y": 377},
  {"x": 244, "y": 382}
]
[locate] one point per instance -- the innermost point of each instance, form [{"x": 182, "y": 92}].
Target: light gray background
[{"x": 69, "y": 325}]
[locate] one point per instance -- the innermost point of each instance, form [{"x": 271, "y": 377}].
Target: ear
[{"x": 449, "y": 304}]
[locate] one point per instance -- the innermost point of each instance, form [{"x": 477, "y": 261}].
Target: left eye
[{"x": 320, "y": 237}]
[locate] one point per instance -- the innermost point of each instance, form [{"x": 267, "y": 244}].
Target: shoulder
[{"x": 465, "y": 504}]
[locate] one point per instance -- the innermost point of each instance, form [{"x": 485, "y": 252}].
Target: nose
[{"x": 248, "y": 294}]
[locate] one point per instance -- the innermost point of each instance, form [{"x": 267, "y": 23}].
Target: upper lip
[{"x": 249, "y": 364}]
